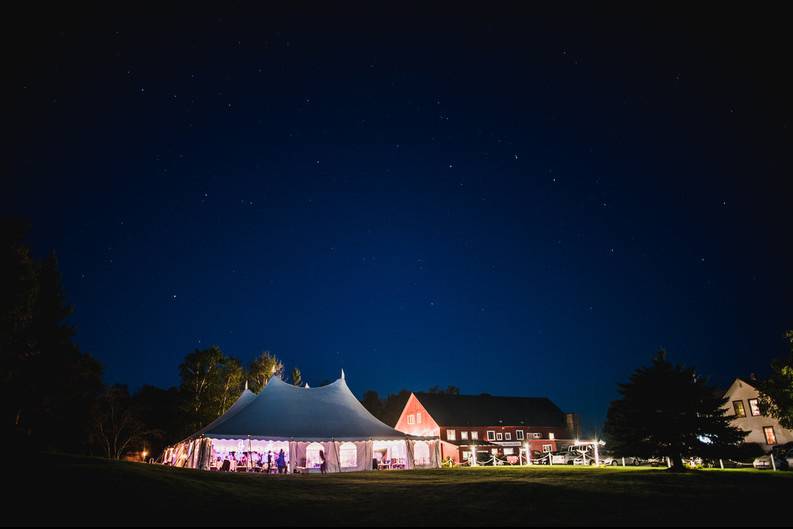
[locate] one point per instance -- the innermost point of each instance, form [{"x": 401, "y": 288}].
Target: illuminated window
[
  {"x": 348, "y": 455},
  {"x": 739, "y": 409},
  {"x": 499, "y": 436},
  {"x": 474, "y": 436},
  {"x": 519, "y": 435},
  {"x": 770, "y": 435},
  {"x": 754, "y": 407},
  {"x": 463, "y": 436},
  {"x": 509, "y": 451},
  {"x": 491, "y": 435},
  {"x": 451, "y": 435},
  {"x": 418, "y": 418},
  {"x": 508, "y": 436},
  {"x": 551, "y": 436},
  {"x": 411, "y": 419},
  {"x": 547, "y": 448}
]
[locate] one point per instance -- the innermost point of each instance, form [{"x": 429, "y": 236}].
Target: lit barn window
[
  {"x": 411, "y": 419},
  {"x": 491, "y": 435},
  {"x": 475, "y": 436},
  {"x": 463, "y": 436},
  {"x": 519, "y": 435},
  {"x": 451, "y": 435},
  {"x": 418, "y": 418},
  {"x": 348, "y": 455}
]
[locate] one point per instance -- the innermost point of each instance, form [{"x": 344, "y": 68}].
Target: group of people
[{"x": 269, "y": 465}]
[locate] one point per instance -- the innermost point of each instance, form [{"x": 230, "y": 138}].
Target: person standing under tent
[
  {"x": 269, "y": 461},
  {"x": 281, "y": 462},
  {"x": 323, "y": 465}
]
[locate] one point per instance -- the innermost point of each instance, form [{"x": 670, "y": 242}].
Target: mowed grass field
[{"x": 73, "y": 489}]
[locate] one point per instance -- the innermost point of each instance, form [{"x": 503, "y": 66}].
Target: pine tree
[{"x": 667, "y": 410}]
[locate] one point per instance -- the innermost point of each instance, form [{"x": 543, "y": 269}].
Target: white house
[{"x": 744, "y": 409}]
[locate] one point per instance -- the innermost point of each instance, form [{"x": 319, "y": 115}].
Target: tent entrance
[
  {"x": 389, "y": 455},
  {"x": 247, "y": 455}
]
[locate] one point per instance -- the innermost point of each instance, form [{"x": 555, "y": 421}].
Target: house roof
[
  {"x": 282, "y": 411},
  {"x": 487, "y": 410}
]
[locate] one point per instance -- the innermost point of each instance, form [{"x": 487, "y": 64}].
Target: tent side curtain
[{"x": 340, "y": 456}]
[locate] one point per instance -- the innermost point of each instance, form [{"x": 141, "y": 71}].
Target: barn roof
[{"x": 487, "y": 410}]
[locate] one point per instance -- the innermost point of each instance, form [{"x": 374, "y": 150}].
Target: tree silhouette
[{"x": 667, "y": 410}]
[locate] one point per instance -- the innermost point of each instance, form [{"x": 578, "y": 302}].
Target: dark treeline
[{"x": 53, "y": 396}]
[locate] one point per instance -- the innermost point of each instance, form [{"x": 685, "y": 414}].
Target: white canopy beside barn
[{"x": 303, "y": 421}]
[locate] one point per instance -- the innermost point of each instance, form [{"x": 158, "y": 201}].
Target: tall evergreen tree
[
  {"x": 667, "y": 410},
  {"x": 776, "y": 391}
]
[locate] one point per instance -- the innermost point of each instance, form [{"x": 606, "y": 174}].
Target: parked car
[
  {"x": 615, "y": 461},
  {"x": 584, "y": 459},
  {"x": 564, "y": 458},
  {"x": 783, "y": 458}
]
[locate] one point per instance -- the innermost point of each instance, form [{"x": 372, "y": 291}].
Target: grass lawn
[{"x": 74, "y": 489}]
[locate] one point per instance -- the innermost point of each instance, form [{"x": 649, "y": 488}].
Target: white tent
[{"x": 303, "y": 421}]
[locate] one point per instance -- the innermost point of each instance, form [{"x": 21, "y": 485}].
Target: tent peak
[{"x": 342, "y": 374}]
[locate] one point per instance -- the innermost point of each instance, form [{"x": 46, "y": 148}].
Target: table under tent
[{"x": 305, "y": 423}]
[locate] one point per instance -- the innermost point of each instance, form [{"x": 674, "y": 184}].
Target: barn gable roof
[{"x": 487, "y": 410}]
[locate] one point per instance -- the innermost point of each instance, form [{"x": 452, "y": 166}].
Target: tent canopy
[
  {"x": 282, "y": 411},
  {"x": 246, "y": 398}
]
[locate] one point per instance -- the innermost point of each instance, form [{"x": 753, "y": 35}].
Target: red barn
[{"x": 499, "y": 425}]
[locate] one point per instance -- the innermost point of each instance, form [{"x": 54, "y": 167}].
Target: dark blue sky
[{"x": 519, "y": 203}]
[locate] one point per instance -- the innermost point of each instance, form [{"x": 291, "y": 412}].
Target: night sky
[{"x": 520, "y": 203}]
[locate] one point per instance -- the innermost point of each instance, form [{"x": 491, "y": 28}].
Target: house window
[
  {"x": 754, "y": 407},
  {"x": 474, "y": 436},
  {"x": 411, "y": 419},
  {"x": 551, "y": 436},
  {"x": 491, "y": 435},
  {"x": 499, "y": 436},
  {"x": 537, "y": 435},
  {"x": 739, "y": 409},
  {"x": 463, "y": 436},
  {"x": 509, "y": 451},
  {"x": 348, "y": 455},
  {"x": 418, "y": 418},
  {"x": 519, "y": 435},
  {"x": 451, "y": 435},
  {"x": 770, "y": 435},
  {"x": 547, "y": 449},
  {"x": 508, "y": 436}
]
